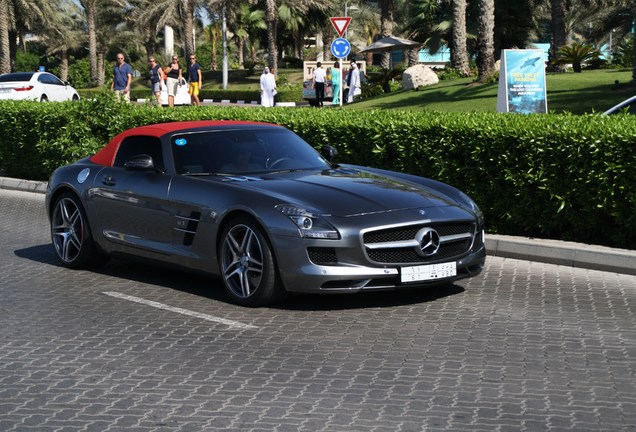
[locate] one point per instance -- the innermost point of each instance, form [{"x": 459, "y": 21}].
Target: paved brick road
[{"x": 524, "y": 347}]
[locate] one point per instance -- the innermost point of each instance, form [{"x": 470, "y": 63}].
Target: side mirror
[
  {"x": 142, "y": 162},
  {"x": 328, "y": 152}
]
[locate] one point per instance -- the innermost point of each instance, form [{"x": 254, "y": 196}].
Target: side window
[{"x": 137, "y": 145}]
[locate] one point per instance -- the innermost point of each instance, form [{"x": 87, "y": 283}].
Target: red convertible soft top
[{"x": 106, "y": 156}]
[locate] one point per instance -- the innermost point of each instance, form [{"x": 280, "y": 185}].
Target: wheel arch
[{"x": 233, "y": 214}]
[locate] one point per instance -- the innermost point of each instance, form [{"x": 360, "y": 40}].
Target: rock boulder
[{"x": 418, "y": 75}]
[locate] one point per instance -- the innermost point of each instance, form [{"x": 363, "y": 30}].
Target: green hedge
[{"x": 556, "y": 176}]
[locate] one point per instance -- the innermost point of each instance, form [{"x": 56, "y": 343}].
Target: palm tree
[
  {"x": 559, "y": 31},
  {"x": 16, "y": 18},
  {"x": 367, "y": 25},
  {"x": 486, "y": 43},
  {"x": 387, "y": 9},
  {"x": 5, "y": 26},
  {"x": 271, "y": 18},
  {"x": 213, "y": 33},
  {"x": 459, "y": 50},
  {"x": 92, "y": 9},
  {"x": 247, "y": 22},
  {"x": 576, "y": 54},
  {"x": 64, "y": 33}
]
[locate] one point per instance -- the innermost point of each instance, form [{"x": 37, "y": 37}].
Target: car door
[
  {"x": 59, "y": 91},
  {"x": 128, "y": 207}
]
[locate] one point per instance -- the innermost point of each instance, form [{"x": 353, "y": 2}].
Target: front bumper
[{"x": 347, "y": 265}]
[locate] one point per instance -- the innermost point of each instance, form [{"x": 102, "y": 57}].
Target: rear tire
[
  {"x": 248, "y": 265},
  {"x": 44, "y": 98},
  {"x": 71, "y": 234}
]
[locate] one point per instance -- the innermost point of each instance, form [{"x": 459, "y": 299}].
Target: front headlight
[
  {"x": 472, "y": 206},
  {"x": 311, "y": 225}
]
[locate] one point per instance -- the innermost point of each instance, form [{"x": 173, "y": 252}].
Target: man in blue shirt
[{"x": 122, "y": 77}]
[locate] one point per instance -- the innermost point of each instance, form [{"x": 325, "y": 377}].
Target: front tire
[
  {"x": 71, "y": 234},
  {"x": 247, "y": 263}
]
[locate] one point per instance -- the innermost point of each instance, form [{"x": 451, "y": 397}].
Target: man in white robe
[
  {"x": 355, "y": 87},
  {"x": 268, "y": 88}
]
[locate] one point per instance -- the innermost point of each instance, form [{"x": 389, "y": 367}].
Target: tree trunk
[
  {"x": 13, "y": 49},
  {"x": 387, "y": 8},
  {"x": 271, "y": 17},
  {"x": 327, "y": 39},
  {"x": 5, "y": 59},
  {"x": 100, "y": 68},
  {"x": 89, "y": 7},
  {"x": 188, "y": 27},
  {"x": 214, "y": 64},
  {"x": 486, "y": 42},
  {"x": 64, "y": 64},
  {"x": 413, "y": 56},
  {"x": 459, "y": 52},
  {"x": 559, "y": 33},
  {"x": 634, "y": 48},
  {"x": 241, "y": 56}
]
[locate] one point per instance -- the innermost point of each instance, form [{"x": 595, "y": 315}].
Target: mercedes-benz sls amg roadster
[{"x": 258, "y": 206}]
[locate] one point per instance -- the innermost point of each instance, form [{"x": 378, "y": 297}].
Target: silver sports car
[{"x": 258, "y": 206}]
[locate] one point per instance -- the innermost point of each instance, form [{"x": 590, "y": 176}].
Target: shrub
[{"x": 549, "y": 175}]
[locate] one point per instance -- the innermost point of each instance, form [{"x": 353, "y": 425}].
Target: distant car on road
[
  {"x": 628, "y": 106},
  {"x": 256, "y": 205},
  {"x": 181, "y": 98},
  {"x": 38, "y": 86}
]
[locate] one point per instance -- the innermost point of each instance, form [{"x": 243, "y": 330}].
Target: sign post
[
  {"x": 522, "y": 86},
  {"x": 340, "y": 48}
]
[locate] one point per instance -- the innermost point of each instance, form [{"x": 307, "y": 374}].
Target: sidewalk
[{"x": 530, "y": 249}]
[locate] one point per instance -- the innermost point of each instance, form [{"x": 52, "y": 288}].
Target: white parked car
[
  {"x": 181, "y": 98},
  {"x": 38, "y": 86}
]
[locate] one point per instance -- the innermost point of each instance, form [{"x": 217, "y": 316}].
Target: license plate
[{"x": 429, "y": 272}]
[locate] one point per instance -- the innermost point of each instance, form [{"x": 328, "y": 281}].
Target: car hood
[{"x": 346, "y": 192}]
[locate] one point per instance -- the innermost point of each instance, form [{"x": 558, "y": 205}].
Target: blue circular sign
[{"x": 340, "y": 48}]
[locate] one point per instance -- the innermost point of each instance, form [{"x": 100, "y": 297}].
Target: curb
[
  {"x": 558, "y": 252},
  {"x": 563, "y": 253}
]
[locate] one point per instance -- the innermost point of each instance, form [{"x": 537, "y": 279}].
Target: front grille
[
  {"x": 408, "y": 232},
  {"x": 404, "y": 255}
]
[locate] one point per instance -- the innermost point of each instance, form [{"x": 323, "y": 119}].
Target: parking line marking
[{"x": 229, "y": 323}]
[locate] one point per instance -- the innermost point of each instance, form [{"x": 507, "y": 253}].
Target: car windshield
[
  {"x": 243, "y": 151},
  {"x": 18, "y": 76}
]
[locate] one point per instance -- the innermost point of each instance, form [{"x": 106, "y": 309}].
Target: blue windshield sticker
[{"x": 181, "y": 142}]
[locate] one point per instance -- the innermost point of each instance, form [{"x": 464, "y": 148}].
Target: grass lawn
[{"x": 578, "y": 93}]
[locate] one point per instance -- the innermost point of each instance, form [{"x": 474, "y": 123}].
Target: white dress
[{"x": 268, "y": 85}]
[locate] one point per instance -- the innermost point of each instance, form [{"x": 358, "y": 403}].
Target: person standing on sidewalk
[
  {"x": 173, "y": 80},
  {"x": 355, "y": 87},
  {"x": 268, "y": 88},
  {"x": 335, "y": 83},
  {"x": 320, "y": 75},
  {"x": 122, "y": 77},
  {"x": 194, "y": 72},
  {"x": 156, "y": 79}
]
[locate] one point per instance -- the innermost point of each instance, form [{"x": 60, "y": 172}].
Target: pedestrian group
[{"x": 172, "y": 77}]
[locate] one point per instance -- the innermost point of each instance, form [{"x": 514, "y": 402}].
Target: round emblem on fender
[
  {"x": 83, "y": 175},
  {"x": 428, "y": 240}
]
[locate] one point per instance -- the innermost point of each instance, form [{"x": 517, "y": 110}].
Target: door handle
[{"x": 109, "y": 180}]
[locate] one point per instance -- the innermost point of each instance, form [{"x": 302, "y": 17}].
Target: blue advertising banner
[{"x": 522, "y": 86}]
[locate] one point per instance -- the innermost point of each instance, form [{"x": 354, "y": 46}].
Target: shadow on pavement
[{"x": 210, "y": 287}]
